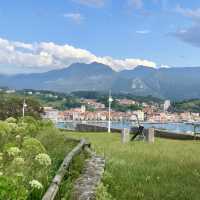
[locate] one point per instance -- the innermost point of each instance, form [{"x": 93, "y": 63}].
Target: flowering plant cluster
[
  {"x": 43, "y": 159},
  {"x": 36, "y": 184},
  {"x": 13, "y": 151},
  {"x": 25, "y": 163}
]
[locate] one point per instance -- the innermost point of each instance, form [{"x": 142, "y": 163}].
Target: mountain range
[{"x": 172, "y": 83}]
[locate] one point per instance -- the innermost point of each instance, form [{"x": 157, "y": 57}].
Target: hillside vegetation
[{"x": 189, "y": 105}]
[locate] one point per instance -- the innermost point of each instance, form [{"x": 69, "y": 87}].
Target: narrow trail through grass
[{"x": 168, "y": 169}]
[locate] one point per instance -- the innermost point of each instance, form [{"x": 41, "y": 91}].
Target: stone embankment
[
  {"x": 94, "y": 128},
  {"x": 85, "y": 186}
]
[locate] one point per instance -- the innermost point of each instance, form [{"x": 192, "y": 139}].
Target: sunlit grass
[{"x": 168, "y": 169}]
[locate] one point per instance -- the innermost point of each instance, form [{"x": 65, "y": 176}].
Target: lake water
[{"x": 174, "y": 127}]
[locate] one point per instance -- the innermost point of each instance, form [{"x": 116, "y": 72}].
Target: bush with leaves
[{"x": 30, "y": 153}]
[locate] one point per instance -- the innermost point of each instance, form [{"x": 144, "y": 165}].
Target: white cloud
[
  {"x": 194, "y": 14},
  {"x": 138, "y": 4},
  {"x": 23, "y": 45},
  {"x": 44, "y": 56},
  {"x": 76, "y": 17},
  {"x": 189, "y": 34},
  {"x": 93, "y": 3},
  {"x": 164, "y": 66},
  {"x": 121, "y": 64},
  {"x": 143, "y": 32}
]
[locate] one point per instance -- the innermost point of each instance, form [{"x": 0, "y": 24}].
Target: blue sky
[{"x": 42, "y": 35}]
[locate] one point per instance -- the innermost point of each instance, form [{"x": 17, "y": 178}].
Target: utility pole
[
  {"x": 23, "y": 108},
  {"x": 110, "y": 100}
]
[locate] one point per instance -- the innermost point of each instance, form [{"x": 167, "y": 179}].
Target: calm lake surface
[{"x": 174, "y": 127}]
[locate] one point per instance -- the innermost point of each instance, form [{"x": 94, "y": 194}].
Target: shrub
[
  {"x": 11, "y": 120},
  {"x": 30, "y": 154},
  {"x": 31, "y": 147}
]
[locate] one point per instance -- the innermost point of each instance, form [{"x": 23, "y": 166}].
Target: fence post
[
  {"x": 125, "y": 135},
  {"x": 150, "y": 135}
]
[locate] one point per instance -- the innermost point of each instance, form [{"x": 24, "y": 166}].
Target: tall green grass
[{"x": 165, "y": 170}]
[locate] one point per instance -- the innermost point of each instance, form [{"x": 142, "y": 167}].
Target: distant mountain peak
[
  {"x": 144, "y": 67},
  {"x": 96, "y": 63},
  {"x": 92, "y": 65}
]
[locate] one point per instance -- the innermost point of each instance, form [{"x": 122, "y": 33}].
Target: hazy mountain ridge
[{"x": 174, "y": 83}]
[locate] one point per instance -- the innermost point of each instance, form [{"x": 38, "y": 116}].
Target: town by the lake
[{"x": 99, "y": 100}]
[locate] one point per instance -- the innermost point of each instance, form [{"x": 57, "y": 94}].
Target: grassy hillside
[
  {"x": 190, "y": 106},
  {"x": 167, "y": 170}
]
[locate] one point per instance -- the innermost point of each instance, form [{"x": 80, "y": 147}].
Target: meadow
[{"x": 167, "y": 169}]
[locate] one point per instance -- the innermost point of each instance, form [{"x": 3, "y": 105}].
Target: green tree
[{"x": 11, "y": 106}]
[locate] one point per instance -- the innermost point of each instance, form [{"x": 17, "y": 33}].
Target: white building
[
  {"x": 83, "y": 108},
  {"x": 139, "y": 114},
  {"x": 167, "y": 104},
  {"x": 10, "y": 91},
  {"x": 51, "y": 114}
]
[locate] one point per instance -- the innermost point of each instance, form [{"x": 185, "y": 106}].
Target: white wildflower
[
  {"x": 1, "y": 173},
  {"x": 18, "y": 137},
  {"x": 19, "y": 161},
  {"x": 13, "y": 151},
  {"x": 19, "y": 174},
  {"x": 43, "y": 159},
  {"x": 36, "y": 184},
  {"x": 11, "y": 120},
  {"x": 1, "y": 156},
  {"x": 12, "y": 126}
]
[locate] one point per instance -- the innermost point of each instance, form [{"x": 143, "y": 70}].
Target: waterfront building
[
  {"x": 139, "y": 114},
  {"x": 167, "y": 104},
  {"x": 10, "y": 91},
  {"x": 126, "y": 102},
  {"x": 92, "y": 103},
  {"x": 83, "y": 108},
  {"x": 51, "y": 114}
]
